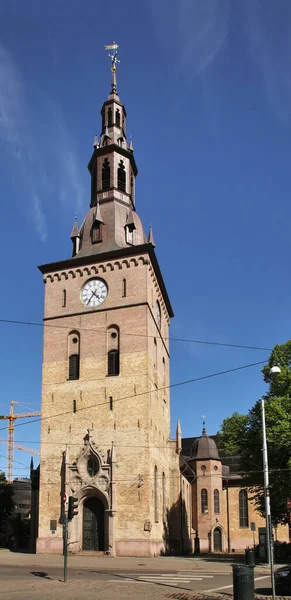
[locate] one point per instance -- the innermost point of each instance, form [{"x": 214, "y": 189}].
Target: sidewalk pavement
[{"x": 129, "y": 564}]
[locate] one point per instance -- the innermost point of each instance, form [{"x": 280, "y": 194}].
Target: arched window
[
  {"x": 74, "y": 355},
  {"x": 117, "y": 117},
  {"x": 109, "y": 117},
  {"x": 204, "y": 501},
  {"x": 243, "y": 509},
  {"x": 121, "y": 177},
  {"x": 156, "y": 494},
  {"x": 164, "y": 497},
  {"x": 216, "y": 502},
  {"x": 112, "y": 351},
  {"x": 113, "y": 363},
  {"x": 74, "y": 366},
  {"x": 106, "y": 174},
  {"x": 92, "y": 466}
]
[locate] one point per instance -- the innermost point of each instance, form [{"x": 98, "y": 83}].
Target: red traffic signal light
[{"x": 72, "y": 508}]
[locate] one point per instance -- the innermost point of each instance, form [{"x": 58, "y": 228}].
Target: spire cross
[{"x": 114, "y": 59}]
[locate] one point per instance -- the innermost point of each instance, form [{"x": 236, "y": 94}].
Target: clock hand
[{"x": 89, "y": 300}]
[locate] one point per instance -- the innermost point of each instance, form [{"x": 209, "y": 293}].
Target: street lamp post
[{"x": 269, "y": 534}]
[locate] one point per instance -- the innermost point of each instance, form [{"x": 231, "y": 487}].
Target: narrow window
[
  {"x": 204, "y": 501},
  {"x": 96, "y": 233},
  {"x": 117, "y": 117},
  {"x": 243, "y": 509},
  {"x": 74, "y": 406},
  {"x": 124, "y": 288},
  {"x": 113, "y": 363},
  {"x": 164, "y": 497},
  {"x": 129, "y": 233},
  {"x": 155, "y": 353},
  {"x": 94, "y": 180},
  {"x": 156, "y": 494},
  {"x": 74, "y": 366},
  {"x": 64, "y": 298},
  {"x": 109, "y": 117},
  {"x": 216, "y": 502},
  {"x": 131, "y": 187},
  {"x": 106, "y": 174},
  {"x": 110, "y": 402},
  {"x": 121, "y": 177}
]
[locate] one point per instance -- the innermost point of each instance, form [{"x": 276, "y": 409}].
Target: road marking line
[
  {"x": 163, "y": 580},
  {"x": 229, "y": 586}
]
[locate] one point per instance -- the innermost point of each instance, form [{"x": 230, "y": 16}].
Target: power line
[
  {"x": 170, "y": 339},
  {"x": 173, "y": 385}
]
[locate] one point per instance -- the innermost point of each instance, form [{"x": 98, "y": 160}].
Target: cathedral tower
[{"x": 105, "y": 399}]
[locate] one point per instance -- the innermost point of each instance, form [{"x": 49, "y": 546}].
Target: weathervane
[{"x": 114, "y": 59}]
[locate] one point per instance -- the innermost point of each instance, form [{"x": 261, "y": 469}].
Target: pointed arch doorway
[
  {"x": 93, "y": 524},
  {"x": 217, "y": 540}
]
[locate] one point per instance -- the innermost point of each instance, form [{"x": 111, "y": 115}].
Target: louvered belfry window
[
  {"x": 106, "y": 175},
  {"x": 113, "y": 362},
  {"x": 121, "y": 177},
  {"x": 74, "y": 366},
  {"x": 117, "y": 117}
]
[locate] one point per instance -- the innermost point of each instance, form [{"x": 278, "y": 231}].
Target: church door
[
  {"x": 217, "y": 540},
  {"x": 93, "y": 524}
]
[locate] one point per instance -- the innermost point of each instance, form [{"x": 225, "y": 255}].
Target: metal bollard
[
  {"x": 243, "y": 582},
  {"x": 250, "y": 557}
]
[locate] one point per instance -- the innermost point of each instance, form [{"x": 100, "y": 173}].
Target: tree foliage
[
  {"x": 6, "y": 501},
  {"x": 242, "y": 434}
]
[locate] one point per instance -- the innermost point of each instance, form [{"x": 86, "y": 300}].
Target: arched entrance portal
[
  {"x": 93, "y": 524},
  {"x": 217, "y": 541}
]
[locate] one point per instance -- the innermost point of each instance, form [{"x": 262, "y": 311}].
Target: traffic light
[{"x": 72, "y": 508}]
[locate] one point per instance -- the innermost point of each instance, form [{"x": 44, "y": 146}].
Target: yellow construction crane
[{"x": 11, "y": 418}]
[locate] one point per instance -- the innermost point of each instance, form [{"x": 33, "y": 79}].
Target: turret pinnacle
[
  {"x": 75, "y": 230},
  {"x": 178, "y": 438},
  {"x": 151, "y": 237},
  {"x": 98, "y": 216},
  {"x": 75, "y": 237}
]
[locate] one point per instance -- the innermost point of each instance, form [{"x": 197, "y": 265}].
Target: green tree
[
  {"x": 6, "y": 502},
  {"x": 242, "y": 434}
]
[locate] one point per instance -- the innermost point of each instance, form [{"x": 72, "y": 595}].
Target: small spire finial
[{"x": 203, "y": 423}]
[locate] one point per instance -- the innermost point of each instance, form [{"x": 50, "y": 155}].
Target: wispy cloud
[
  {"x": 41, "y": 145},
  {"x": 203, "y": 27},
  {"x": 268, "y": 29},
  {"x": 191, "y": 32}
]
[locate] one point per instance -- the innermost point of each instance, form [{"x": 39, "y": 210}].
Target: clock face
[
  {"x": 158, "y": 314},
  {"x": 94, "y": 292}
]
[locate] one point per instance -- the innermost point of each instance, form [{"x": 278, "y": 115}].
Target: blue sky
[{"x": 207, "y": 89}]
